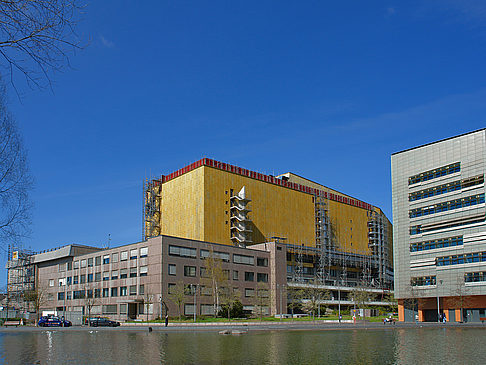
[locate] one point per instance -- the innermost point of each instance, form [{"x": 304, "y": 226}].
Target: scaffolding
[
  {"x": 323, "y": 237},
  {"x": 152, "y": 189},
  {"x": 20, "y": 275},
  {"x": 378, "y": 243}
]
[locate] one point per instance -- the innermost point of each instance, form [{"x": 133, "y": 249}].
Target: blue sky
[{"x": 327, "y": 90}]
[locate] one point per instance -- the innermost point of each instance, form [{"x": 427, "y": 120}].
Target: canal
[{"x": 354, "y": 346}]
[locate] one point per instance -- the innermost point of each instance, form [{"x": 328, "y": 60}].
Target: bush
[{"x": 236, "y": 310}]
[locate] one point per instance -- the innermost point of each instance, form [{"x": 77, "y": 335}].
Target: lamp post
[
  {"x": 438, "y": 301},
  {"x": 195, "y": 286}
]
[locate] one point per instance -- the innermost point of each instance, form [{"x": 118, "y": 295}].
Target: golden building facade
[{"x": 217, "y": 202}]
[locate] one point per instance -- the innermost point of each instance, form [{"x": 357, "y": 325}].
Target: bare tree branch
[{"x": 37, "y": 37}]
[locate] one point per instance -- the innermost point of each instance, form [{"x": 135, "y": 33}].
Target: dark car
[
  {"x": 48, "y": 321},
  {"x": 103, "y": 322}
]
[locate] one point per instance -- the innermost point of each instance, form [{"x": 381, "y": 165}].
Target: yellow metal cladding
[
  {"x": 275, "y": 210},
  {"x": 182, "y": 206},
  {"x": 196, "y": 205},
  {"x": 349, "y": 227}
]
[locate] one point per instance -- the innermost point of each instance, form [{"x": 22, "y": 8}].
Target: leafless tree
[
  {"x": 361, "y": 297},
  {"x": 15, "y": 179},
  {"x": 38, "y": 297},
  {"x": 313, "y": 295},
  {"x": 178, "y": 295},
  {"x": 90, "y": 299},
  {"x": 294, "y": 297},
  {"x": 215, "y": 278},
  {"x": 228, "y": 299},
  {"x": 148, "y": 299},
  {"x": 261, "y": 300},
  {"x": 37, "y": 37}
]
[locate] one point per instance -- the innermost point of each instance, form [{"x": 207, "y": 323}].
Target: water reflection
[{"x": 360, "y": 346}]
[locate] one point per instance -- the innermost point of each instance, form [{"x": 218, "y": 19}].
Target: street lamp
[
  {"x": 438, "y": 301},
  {"x": 195, "y": 286}
]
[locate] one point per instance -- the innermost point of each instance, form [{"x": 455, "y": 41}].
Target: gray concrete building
[{"x": 439, "y": 229}]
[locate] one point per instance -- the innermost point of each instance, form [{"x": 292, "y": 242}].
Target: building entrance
[{"x": 132, "y": 310}]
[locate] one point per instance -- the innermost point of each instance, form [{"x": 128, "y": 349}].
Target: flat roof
[{"x": 441, "y": 140}]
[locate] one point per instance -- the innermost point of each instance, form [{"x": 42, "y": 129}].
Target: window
[
  {"x": 461, "y": 259},
  {"x": 226, "y": 274},
  {"x": 68, "y": 295},
  {"x": 133, "y": 272},
  {"x": 75, "y": 279},
  {"x": 143, "y": 270},
  {"x": 82, "y": 279},
  {"x": 423, "y": 281},
  {"x": 83, "y": 263},
  {"x": 172, "y": 269},
  {"x": 445, "y": 206},
  {"x": 106, "y": 275},
  {"x": 114, "y": 274},
  {"x": 90, "y": 278},
  {"x": 249, "y": 293},
  {"x": 97, "y": 293},
  {"x": 62, "y": 267},
  {"x": 98, "y": 276},
  {"x": 438, "y": 243},
  {"x": 70, "y": 265},
  {"x": 90, "y": 262},
  {"x": 262, "y": 261},
  {"x": 206, "y": 291},
  {"x": 109, "y": 309},
  {"x": 189, "y": 270},
  {"x": 133, "y": 290},
  {"x": 123, "y": 273},
  {"x": 114, "y": 257},
  {"x": 114, "y": 292},
  {"x": 171, "y": 288},
  {"x": 235, "y": 274},
  {"x": 189, "y": 309},
  {"x": 123, "y": 291},
  {"x": 124, "y": 256},
  {"x": 242, "y": 259},
  {"x": 133, "y": 254},
  {"x": 223, "y": 256},
  {"x": 98, "y": 260},
  {"x": 69, "y": 280},
  {"x": 182, "y": 251},
  {"x": 141, "y": 289},
  {"x": 432, "y": 174},
  {"x": 262, "y": 278},
  {"x": 144, "y": 252},
  {"x": 106, "y": 292},
  {"x": 249, "y": 276},
  {"x": 76, "y": 264},
  {"x": 106, "y": 259},
  {"x": 89, "y": 293},
  {"x": 203, "y": 272},
  {"x": 51, "y": 282},
  {"x": 79, "y": 294}
]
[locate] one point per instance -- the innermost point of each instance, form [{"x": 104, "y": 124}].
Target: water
[{"x": 372, "y": 346}]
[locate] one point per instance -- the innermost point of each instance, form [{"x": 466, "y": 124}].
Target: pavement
[{"x": 246, "y": 327}]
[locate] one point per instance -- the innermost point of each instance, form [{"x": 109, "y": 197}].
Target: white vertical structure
[
  {"x": 439, "y": 229},
  {"x": 240, "y": 222}
]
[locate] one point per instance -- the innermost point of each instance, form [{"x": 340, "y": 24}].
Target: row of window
[
  {"x": 96, "y": 261},
  {"x": 445, "y": 206},
  {"x": 207, "y": 291},
  {"x": 432, "y": 174},
  {"x": 133, "y": 272},
  {"x": 439, "y": 243},
  {"x": 423, "y": 281},
  {"x": 473, "y": 277},
  {"x": 418, "y": 229},
  {"x": 122, "y": 291},
  {"x": 446, "y": 188},
  {"x": 224, "y": 256},
  {"x": 191, "y": 271},
  {"x": 466, "y": 258}
]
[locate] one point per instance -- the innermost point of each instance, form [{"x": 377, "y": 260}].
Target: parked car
[
  {"x": 103, "y": 322},
  {"x": 49, "y": 321}
]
